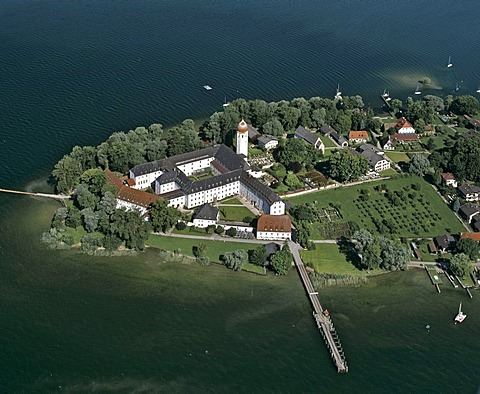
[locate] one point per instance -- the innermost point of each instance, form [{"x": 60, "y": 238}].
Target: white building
[
  {"x": 227, "y": 175},
  {"x": 206, "y": 216},
  {"x": 403, "y": 126},
  {"x": 274, "y": 227},
  {"x": 267, "y": 142},
  {"x": 377, "y": 160}
]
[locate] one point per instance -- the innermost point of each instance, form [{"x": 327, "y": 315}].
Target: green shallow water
[{"x": 78, "y": 323}]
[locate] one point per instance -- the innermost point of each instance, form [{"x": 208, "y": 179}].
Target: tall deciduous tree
[
  {"x": 344, "y": 166},
  {"x": 130, "y": 227},
  {"x": 419, "y": 165},
  {"x": 281, "y": 262},
  {"x": 162, "y": 216},
  {"x": 235, "y": 260},
  {"x": 461, "y": 265}
]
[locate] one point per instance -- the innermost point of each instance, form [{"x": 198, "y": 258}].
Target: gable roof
[
  {"x": 474, "y": 236},
  {"x": 405, "y": 137},
  {"x": 327, "y": 130},
  {"x": 361, "y": 134},
  {"x": 276, "y": 223},
  {"x": 469, "y": 209},
  {"x": 369, "y": 153},
  {"x": 448, "y": 176},
  {"x": 468, "y": 189},
  {"x": 402, "y": 123},
  {"x": 133, "y": 196},
  {"x": 306, "y": 135},
  {"x": 207, "y": 212},
  {"x": 444, "y": 241},
  {"x": 265, "y": 139}
]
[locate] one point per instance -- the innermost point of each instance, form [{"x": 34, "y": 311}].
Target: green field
[
  {"x": 398, "y": 157},
  {"x": 235, "y": 214},
  {"x": 388, "y": 172},
  {"x": 326, "y": 141},
  {"x": 327, "y": 259},
  {"x": 415, "y": 213},
  {"x": 214, "y": 248},
  {"x": 231, "y": 201}
]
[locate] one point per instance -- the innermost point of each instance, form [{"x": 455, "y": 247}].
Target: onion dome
[{"x": 242, "y": 127}]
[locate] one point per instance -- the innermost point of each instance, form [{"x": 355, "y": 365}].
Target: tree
[
  {"x": 292, "y": 181},
  {"x": 344, "y": 166},
  {"x": 461, "y": 265},
  {"x": 465, "y": 105},
  {"x": 456, "y": 205},
  {"x": 419, "y": 165},
  {"x": 59, "y": 217},
  {"x": 90, "y": 219},
  {"x": 281, "y": 262},
  {"x": 67, "y": 174},
  {"x": 162, "y": 216},
  {"x": 84, "y": 198},
  {"x": 108, "y": 203},
  {"x": 199, "y": 250},
  {"x": 130, "y": 227},
  {"x": 469, "y": 247},
  {"x": 292, "y": 151},
  {"x": 257, "y": 256},
  {"x": 74, "y": 217},
  {"x": 235, "y": 260},
  {"x": 394, "y": 255},
  {"x": 231, "y": 232},
  {"x": 426, "y": 81},
  {"x": 371, "y": 256},
  {"x": 395, "y": 105},
  {"x": 273, "y": 127},
  {"x": 465, "y": 158},
  {"x": 96, "y": 181}
]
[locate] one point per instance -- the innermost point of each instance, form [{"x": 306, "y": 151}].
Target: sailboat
[
  {"x": 225, "y": 104},
  {"x": 478, "y": 90},
  {"x": 417, "y": 92},
  {"x": 449, "y": 64},
  {"x": 460, "y": 315},
  {"x": 457, "y": 87},
  {"x": 338, "y": 95},
  {"x": 386, "y": 95}
]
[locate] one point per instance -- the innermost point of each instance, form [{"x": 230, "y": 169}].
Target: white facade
[
  {"x": 382, "y": 165},
  {"x": 204, "y": 223},
  {"x": 178, "y": 202},
  {"x": 242, "y": 143},
  {"x": 145, "y": 180},
  {"x": 209, "y": 195},
  {"x": 191, "y": 167},
  {"x": 274, "y": 235},
  {"x": 130, "y": 206},
  {"x": 165, "y": 188}
]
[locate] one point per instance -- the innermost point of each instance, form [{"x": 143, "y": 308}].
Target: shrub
[
  {"x": 203, "y": 261},
  {"x": 180, "y": 226},
  {"x": 210, "y": 229},
  {"x": 231, "y": 232},
  {"x": 219, "y": 230}
]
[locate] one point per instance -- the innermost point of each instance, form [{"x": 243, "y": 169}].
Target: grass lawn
[
  {"x": 215, "y": 248},
  {"x": 255, "y": 152},
  {"x": 231, "y": 201},
  {"x": 192, "y": 230},
  {"x": 326, "y": 141},
  {"x": 327, "y": 259},
  {"x": 235, "y": 214},
  {"x": 256, "y": 269},
  {"x": 79, "y": 232},
  {"x": 389, "y": 172},
  {"x": 398, "y": 157},
  {"x": 424, "y": 215}
]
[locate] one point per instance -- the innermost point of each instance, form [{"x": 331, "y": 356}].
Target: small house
[
  {"x": 448, "y": 179},
  {"x": 327, "y": 130},
  {"x": 403, "y": 126},
  {"x": 377, "y": 160},
  {"x": 469, "y": 192},
  {"x": 468, "y": 211},
  {"x": 474, "y": 236},
  {"x": 359, "y": 137},
  {"x": 207, "y": 215},
  {"x": 431, "y": 248},
  {"x": 267, "y": 142},
  {"x": 309, "y": 138},
  {"x": 253, "y": 134},
  {"x": 444, "y": 243},
  {"x": 339, "y": 140}
]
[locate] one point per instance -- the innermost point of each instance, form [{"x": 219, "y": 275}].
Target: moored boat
[{"x": 460, "y": 315}]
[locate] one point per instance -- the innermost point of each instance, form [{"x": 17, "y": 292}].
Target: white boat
[
  {"x": 207, "y": 87},
  {"x": 225, "y": 104},
  {"x": 460, "y": 315},
  {"x": 449, "y": 64},
  {"x": 417, "y": 92},
  {"x": 457, "y": 87},
  {"x": 478, "y": 90},
  {"x": 338, "y": 95},
  {"x": 386, "y": 95}
]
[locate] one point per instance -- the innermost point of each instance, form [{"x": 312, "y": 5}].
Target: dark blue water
[{"x": 72, "y": 72}]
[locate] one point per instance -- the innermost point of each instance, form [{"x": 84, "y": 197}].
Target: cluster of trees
[
  {"x": 345, "y": 166},
  {"x": 123, "y": 150},
  {"x": 461, "y": 265},
  {"x": 276, "y": 118},
  {"x": 294, "y": 154},
  {"x": 420, "y": 165},
  {"x": 94, "y": 209},
  {"x": 463, "y": 159},
  {"x": 280, "y": 262},
  {"x": 422, "y": 112},
  {"x": 379, "y": 252}
]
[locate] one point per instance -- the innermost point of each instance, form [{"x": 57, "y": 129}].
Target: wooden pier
[
  {"x": 322, "y": 319},
  {"x": 47, "y": 195}
]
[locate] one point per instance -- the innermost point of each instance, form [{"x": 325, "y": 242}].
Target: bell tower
[{"x": 242, "y": 139}]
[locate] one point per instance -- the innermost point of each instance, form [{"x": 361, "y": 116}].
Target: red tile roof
[
  {"x": 361, "y": 134},
  {"x": 448, "y": 176},
  {"x": 277, "y": 223},
  {"x": 405, "y": 137},
  {"x": 474, "y": 236},
  {"x": 134, "y": 196},
  {"x": 402, "y": 123}
]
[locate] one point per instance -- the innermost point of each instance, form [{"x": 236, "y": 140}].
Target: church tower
[{"x": 242, "y": 139}]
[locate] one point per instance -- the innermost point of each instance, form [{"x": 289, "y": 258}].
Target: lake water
[{"x": 73, "y": 72}]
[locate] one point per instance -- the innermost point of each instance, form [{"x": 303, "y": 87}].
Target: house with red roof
[
  {"x": 403, "y": 126},
  {"x": 448, "y": 179},
  {"x": 360, "y": 136},
  {"x": 274, "y": 227}
]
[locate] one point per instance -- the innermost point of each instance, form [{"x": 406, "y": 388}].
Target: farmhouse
[
  {"x": 206, "y": 216},
  {"x": 207, "y": 175},
  {"x": 448, "y": 179},
  {"x": 274, "y": 227},
  {"x": 358, "y": 136},
  {"x": 403, "y": 126},
  {"x": 309, "y": 138},
  {"x": 376, "y": 160},
  {"x": 469, "y": 192}
]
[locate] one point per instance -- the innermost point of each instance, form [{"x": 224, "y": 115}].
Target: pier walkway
[
  {"x": 47, "y": 195},
  {"x": 324, "y": 323}
]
